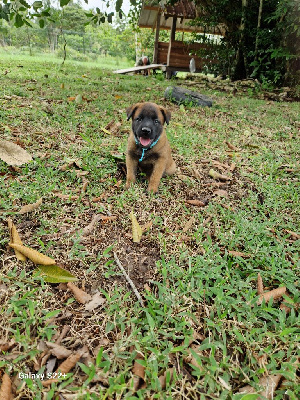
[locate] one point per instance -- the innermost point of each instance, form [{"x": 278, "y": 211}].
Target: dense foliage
[{"x": 261, "y": 40}]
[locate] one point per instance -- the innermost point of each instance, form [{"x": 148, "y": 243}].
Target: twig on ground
[{"x": 139, "y": 297}]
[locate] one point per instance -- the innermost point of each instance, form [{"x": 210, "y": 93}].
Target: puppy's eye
[
  {"x": 156, "y": 121},
  {"x": 138, "y": 119}
]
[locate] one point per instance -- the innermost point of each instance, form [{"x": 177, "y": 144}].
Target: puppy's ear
[
  {"x": 131, "y": 110},
  {"x": 166, "y": 114}
]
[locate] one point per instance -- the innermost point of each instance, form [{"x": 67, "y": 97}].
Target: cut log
[{"x": 184, "y": 96}]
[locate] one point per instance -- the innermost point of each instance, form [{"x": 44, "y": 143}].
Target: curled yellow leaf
[
  {"x": 136, "y": 229},
  {"x": 15, "y": 238},
  {"x": 33, "y": 255}
]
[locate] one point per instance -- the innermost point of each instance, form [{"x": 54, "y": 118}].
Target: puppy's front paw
[
  {"x": 129, "y": 182},
  {"x": 153, "y": 188}
]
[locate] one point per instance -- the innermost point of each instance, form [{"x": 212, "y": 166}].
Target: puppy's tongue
[{"x": 145, "y": 141}]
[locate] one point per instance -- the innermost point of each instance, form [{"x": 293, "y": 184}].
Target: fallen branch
[{"x": 139, "y": 297}]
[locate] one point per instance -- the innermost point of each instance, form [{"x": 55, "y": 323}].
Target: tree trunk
[
  {"x": 241, "y": 65},
  {"x": 258, "y": 28}
]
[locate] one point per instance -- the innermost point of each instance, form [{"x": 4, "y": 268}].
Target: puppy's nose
[{"x": 146, "y": 130}]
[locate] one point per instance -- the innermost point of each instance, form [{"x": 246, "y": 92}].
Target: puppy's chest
[{"x": 144, "y": 157}]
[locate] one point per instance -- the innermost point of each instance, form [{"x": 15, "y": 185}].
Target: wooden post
[
  {"x": 155, "y": 53},
  {"x": 172, "y": 38}
]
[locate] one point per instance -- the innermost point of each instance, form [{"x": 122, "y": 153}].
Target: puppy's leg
[
  {"x": 158, "y": 170},
  {"x": 171, "y": 167},
  {"x": 131, "y": 167}
]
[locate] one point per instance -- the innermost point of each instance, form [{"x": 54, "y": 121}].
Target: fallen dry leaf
[
  {"x": 189, "y": 224},
  {"x": 69, "y": 363},
  {"x": 221, "y": 193},
  {"x": 216, "y": 175},
  {"x": 12, "y": 154},
  {"x": 269, "y": 383},
  {"x": 197, "y": 203},
  {"x": 147, "y": 226},
  {"x": 272, "y": 294},
  {"x": 232, "y": 167},
  {"x": 138, "y": 371},
  {"x": 231, "y": 146},
  {"x": 97, "y": 300},
  {"x": 136, "y": 229},
  {"x": 15, "y": 238},
  {"x": 58, "y": 351},
  {"x": 295, "y": 235},
  {"x": 238, "y": 254},
  {"x": 64, "y": 368},
  {"x": 31, "y": 207},
  {"x": 80, "y": 295},
  {"x": 5, "y": 389},
  {"x": 166, "y": 377},
  {"x": 96, "y": 218},
  {"x": 33, "y": 255},
  {"x": 5, "y": 346},
  {"x": 260, "y": 285}
]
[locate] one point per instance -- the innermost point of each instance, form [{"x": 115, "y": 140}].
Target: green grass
[{"x": 201, "y": 316}]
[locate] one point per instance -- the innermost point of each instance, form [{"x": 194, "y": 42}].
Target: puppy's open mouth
[{"x": 145, "y": 141}]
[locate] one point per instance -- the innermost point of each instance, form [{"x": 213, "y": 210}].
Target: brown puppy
[{"x": 148, "y": 145}]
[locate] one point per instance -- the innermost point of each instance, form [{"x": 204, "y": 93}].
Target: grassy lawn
[{"x": 201, "y": 332}]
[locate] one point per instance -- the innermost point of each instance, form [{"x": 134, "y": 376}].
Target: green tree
[{"x": 256, "y": 42}]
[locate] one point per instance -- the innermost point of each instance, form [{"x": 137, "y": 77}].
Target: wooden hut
[{"x": 175, "y": 55}]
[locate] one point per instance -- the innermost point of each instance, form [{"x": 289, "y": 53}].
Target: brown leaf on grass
[
  {"x": 221, "y": 166},
  {"x": 66, "y": 196},
  {"x": 138, "y": 371},
  {"x": 80, "y": 295},
  {"x": 97, "y": 300},
  {"x": 58, "y": 351},
  {"x": 96, "y": 218},
  {"x": 260, "y": 285},
  {"x": 238, "y": 254},
  {"x": 12, "y": 154},
  {"x": 33, "y": 255},
  {"x": 113, "y": 127},
  {"x": 15, "y": 238},
  {"x": 231, "y": 146},
  {"x": 232, "y": 167},
  {"x": 147, "y": 226},
  {"x": 69, "y": 363},
  {"x": 189, "y": 224},
  {"x": 221, "y": 193},
  {"x": 31, "y": 207},
  {"x": 107, "y": 218},
  {"x": 272, "y": 294},
  {"x": 197, "y": 203},
  {"x": 84, "y": 186},
  {"x": 227, "y": 207},
  {"x": 269, "y": 383},
  {"x": 166, "y": 377},
  {"x": 5, "y": 346},
  {"x": 64, "y": 368},
  {"x": 5, "y": 389},
  {"x": 217, "y": 176},
  {"x": 294, "y": 235}
]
